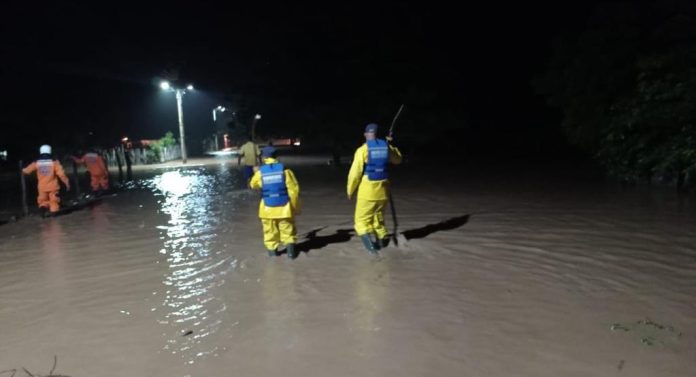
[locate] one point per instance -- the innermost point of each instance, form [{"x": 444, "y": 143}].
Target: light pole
[
  {"x": 253, "y": 127},
  {"x": 215, "y": 110},
  {"x": 180, "y": 109}
]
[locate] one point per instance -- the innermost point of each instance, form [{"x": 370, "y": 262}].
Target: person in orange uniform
[
  {"x": 98, "y": 174},
  {"x": 48, "y": 171},
  {"x": 279, "y": 204}
]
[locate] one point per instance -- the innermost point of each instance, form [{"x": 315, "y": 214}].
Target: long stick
[
  {"x": 391, "y": 128},
  {"x": 391, "y": 199},
  {"x": 394, "y": 220},
  {"x": 25, "y": 208}
]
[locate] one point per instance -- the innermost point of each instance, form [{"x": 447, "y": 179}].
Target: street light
[
  {"x": 166, "y": 86},
  {"x": 253, "y": 126},
  {"x": 215, "y": 110}
]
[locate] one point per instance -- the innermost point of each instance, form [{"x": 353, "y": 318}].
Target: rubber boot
[
  {"x": 271, "y": 253},
  {"x": 376, "y": 243},
  {"x": 290, "y": 250},
  {"x": 383, "y": 242},
  {"x": 368, "y": 243}
]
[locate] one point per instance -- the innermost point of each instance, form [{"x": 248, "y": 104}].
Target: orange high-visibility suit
[
  {"x": 97, "y": 170},
  {"x": 48, "y": 172}
]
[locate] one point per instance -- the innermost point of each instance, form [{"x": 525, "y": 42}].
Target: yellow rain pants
[
  {"x": 372, "y": 195},
  {"x": 369, "y": 217},
  {"x": 277, "y": 231},
  {"x": 278, "y": 222}
]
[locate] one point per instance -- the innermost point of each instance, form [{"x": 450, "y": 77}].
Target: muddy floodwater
[{"x": 502, "y": 275}]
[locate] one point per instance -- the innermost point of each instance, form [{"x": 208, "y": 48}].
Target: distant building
[{"x": 291, "y": 141}]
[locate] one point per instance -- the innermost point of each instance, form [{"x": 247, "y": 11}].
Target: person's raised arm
[
  {"x": 394, "y": 155},
  {"x": 30, "y": 169}
]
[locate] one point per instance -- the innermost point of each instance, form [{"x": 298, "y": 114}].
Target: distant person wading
[
  {"x": 99, "y": 176},
  {"x": 369, "y": 176},
  {"x": 249, "y": 152}
]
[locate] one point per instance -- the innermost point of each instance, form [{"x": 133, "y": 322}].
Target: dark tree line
[{"x": 627, "y": 88}]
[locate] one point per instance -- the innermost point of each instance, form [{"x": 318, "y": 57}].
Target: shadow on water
[
  {"x": 314, "y": 242},
  {"x": 429, "y": 229}
]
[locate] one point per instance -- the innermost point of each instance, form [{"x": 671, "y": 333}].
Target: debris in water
[
  {"x": 621, "y": 364},
  {"x": 618, "y": 326},
  {"x": 13, "y": 372},
  {"x": 187, "y": 333},
  {"x": 650, "y": 332}
]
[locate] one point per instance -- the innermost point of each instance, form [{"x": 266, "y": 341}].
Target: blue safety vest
[
  {"x": 377, "y": 160},
  {"x": 275, "y": 192}
]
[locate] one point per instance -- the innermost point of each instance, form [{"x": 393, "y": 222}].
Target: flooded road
[{"x": 498, "y": 278}]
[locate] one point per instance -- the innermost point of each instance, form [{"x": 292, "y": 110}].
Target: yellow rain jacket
[
  {"x": 290, "y": 209},
  {"x": 369, "y": 190}
]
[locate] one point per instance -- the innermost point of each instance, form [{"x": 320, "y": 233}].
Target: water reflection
[
  {"x": 283, "y": 308},
  {"x": 100, "y": 218},
  {"x": 191, "y": 199},
  {"x": 371, "y": 283},
  {"x": 54, "y": 255}
]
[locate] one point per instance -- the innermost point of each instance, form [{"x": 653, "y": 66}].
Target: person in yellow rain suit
[
  {"x": 99, "y": 176},
  {"x": 368, "y": 175},
  {"x": 279, "y": 204},
  {"x": 48, "y": 171}
]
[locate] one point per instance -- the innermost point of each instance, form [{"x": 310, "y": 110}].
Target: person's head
[
  {"x": 371, "y": 131},
  {"x": 268, "y": 152},
  {"x": 45, "y": 149}
]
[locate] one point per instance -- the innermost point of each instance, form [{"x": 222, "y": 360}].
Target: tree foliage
[
  {"x": 627, "y": 86},
  {"x": 166, "y": 141}
]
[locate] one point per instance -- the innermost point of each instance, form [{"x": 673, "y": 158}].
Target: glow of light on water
[{"x": 189, "y": 201}]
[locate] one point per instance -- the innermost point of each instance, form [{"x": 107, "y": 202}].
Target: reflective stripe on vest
[
  {"x": 275, "y": 191},
  {"x": 377, "y": 160},
  {"x": 45, "y": 167}
]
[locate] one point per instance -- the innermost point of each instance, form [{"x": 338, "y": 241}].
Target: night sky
[{"x": 72, "y": 68}]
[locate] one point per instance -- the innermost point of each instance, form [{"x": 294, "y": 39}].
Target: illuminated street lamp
[
  {"x": 166, "y": 86},
  {"x": 215, "y": 110},
  {"x": 253, "y": 126}
]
